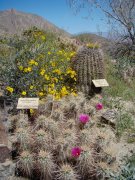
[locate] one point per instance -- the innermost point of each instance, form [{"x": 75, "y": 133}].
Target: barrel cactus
[{"x": 88, "y": 64}]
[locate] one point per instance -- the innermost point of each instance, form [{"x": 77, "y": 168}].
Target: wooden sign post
[
  {"x": 100, "y": 83},
  {"x": 27, "y": 104}
]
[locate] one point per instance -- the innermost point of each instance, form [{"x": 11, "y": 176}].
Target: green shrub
[{"x": 38, "y": 67}]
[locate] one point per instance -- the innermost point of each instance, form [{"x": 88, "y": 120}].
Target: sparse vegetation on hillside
[{"x": 15, "y": 22}]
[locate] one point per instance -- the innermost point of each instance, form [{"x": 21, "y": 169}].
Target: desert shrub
[
  {"x": 38, "y": 67},
  {"x": 124, "y": 65},
  {"x": 121, "y": 47}
]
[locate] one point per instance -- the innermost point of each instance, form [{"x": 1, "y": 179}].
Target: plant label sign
[
  {"x": 28, "y": 103},
  {"x": 100, "y": 82}
]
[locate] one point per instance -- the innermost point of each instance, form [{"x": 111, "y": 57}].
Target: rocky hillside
[{"x": 14, "y": 22}]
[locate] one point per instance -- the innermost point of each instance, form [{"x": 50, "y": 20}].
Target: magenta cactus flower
[
  {"x": 99, "y": 106},
  {"x": 84, "y": 118},
  {"x": 76, "y": 151},
  {"x": 99, "y": 97}
]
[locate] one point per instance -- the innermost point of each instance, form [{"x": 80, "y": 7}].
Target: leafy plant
[
  {"x": 127, "y": 171},
  {"x": 39, "y": 67}
]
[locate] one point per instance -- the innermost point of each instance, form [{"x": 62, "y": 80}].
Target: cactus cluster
[
  {"x": 55, "y": 148},
  {"x": 88, "y": 65}
]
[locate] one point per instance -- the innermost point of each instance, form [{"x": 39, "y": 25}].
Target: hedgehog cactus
[
  {"x": 26, "y": 162},
  {"x": 51, "y": 148},
  {"x": 46, "y": 164},
  {"x": 88, "y": 65},
  {"x": 66, "y": 172}
]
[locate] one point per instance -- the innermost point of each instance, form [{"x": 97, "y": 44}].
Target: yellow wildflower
[
  {"x": 49, "y": 52},
  {"x": 57, "y": 96},
  {"x": 53, "y": 64},
  {"x": 36, "y": 63},
  {"x": 10, "y": 89},
  {"x": 24, "y": 93},
  {"x": 31, "y": 87},
  {"x": 64, "y": 91},
  {"x": 51, "y": 91},
  {"x": 47, "y": 77},
  {"x": 51, "y": 85},
  {"x": 31, "y": 111},
  {"x": 21, "y": 68},
  {"x": 54, "y": 79},
  {"x": 72, "y": 54},
  {"x": 42, "y": 72},
  {"x": 40, "y": 93},
  {"x": 71, "y": 72},
  {"x": 59, "y": 52},
  {"x": 29, "y": 69},
  {"x": 43, "y": 37},
  {"x": 25, "y": 70},
  {"x": 32, "y": 62},
  {"x": 58, "y": 71}
]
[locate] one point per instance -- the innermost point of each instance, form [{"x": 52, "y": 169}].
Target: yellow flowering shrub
[{"x": 41, "y": 67}]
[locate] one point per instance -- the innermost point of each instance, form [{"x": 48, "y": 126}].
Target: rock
[
  {"x": 4, "y": 153},
  {"x": 109, "y": 117},
  {"x": 3, "y": 134},
  {"x": 7, "y": 163},
  {"x": 7, "y": 169}
]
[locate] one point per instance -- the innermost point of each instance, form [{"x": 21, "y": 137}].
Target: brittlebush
[{"x": 40, "y": 67}]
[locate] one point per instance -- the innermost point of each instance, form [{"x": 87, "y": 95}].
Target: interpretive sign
[
  {"x": 28, "y": 103},
  {"x": 100, "y": 82}
]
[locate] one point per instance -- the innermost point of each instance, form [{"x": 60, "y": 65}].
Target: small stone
[
  {"x": 1, "y": 168},
  {"x": 4, "y": 153},
  {"x": 7, "y": 163},
  {"x": 7, "y": 170},
  {"x": 2, "y": 176},
  {"x": 109, "y": 117}
]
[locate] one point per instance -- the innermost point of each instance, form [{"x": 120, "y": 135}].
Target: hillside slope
[
  {"x": 14, "y": 22},
  {"x": 92, "y": 38}
]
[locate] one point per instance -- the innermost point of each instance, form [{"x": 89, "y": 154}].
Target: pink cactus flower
[
  {"x": 84, "y": 118},
  {"x": 99, "y": 106},
  {"x": 76, "y": 151},
  {"x": 99, "y": 97}
]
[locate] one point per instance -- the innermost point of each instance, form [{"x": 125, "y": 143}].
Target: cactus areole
[{"x": 88, "y": 64}]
